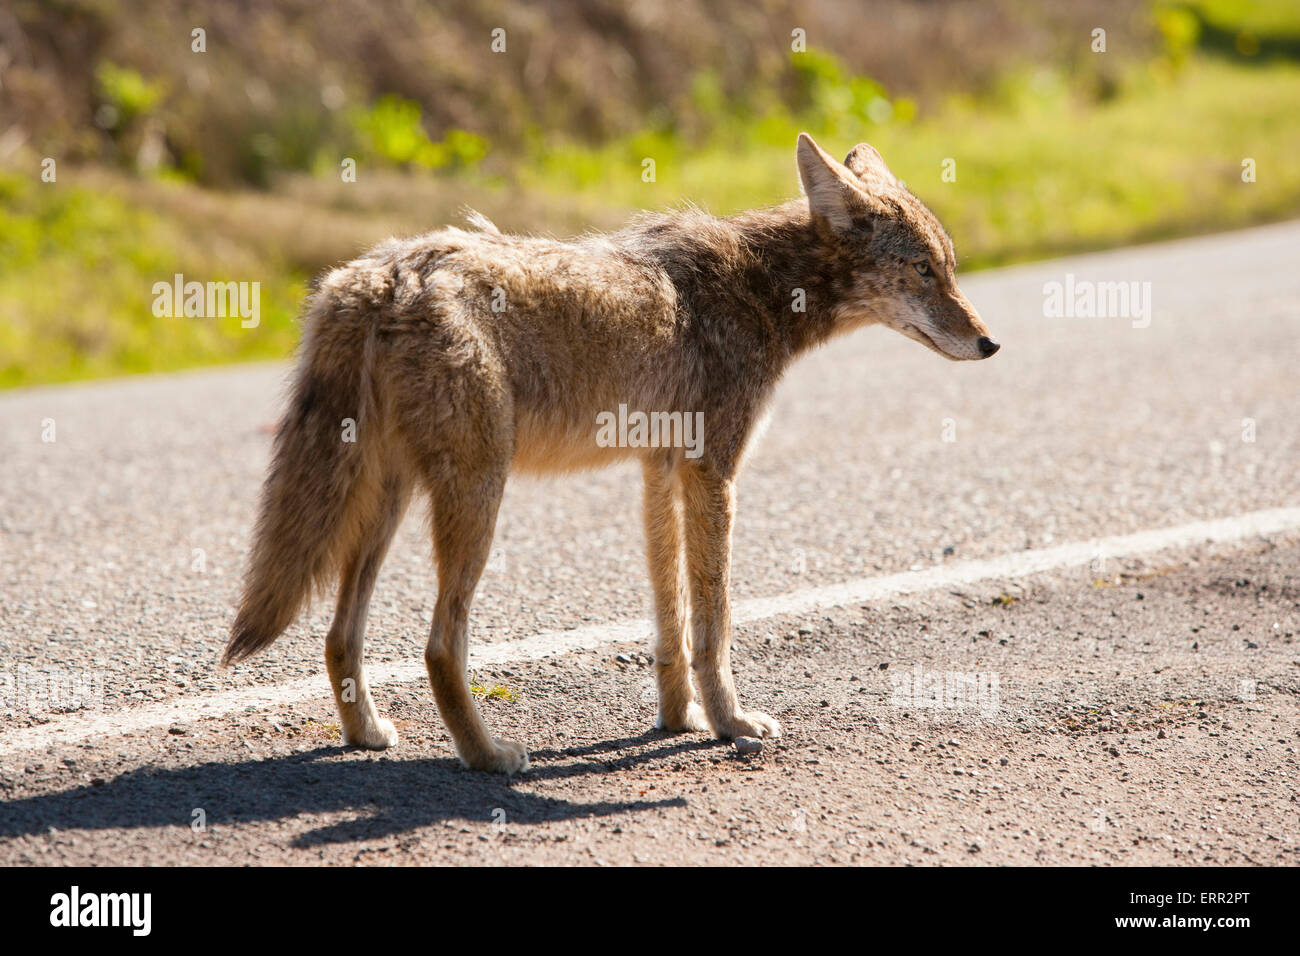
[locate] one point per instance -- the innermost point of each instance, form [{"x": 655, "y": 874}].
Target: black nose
[{"x": 987, "y": 346}]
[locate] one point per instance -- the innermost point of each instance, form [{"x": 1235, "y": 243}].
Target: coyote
[{"x": 461, "y": 355}]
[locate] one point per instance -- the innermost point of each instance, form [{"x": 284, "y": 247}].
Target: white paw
[
  {"x": 506, "y": 757},
  {"x": 693, "y": 719},
  {"x": 748, "y": 724},
  {"x": 379, "y": 735}
]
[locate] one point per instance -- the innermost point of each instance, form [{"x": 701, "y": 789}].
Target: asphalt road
[{"x": 1159, "y": 728}]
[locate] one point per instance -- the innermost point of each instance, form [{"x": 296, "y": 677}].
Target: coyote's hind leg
[
  {"x": 345, "y": 643},
  {"x": 464, "y": 515}
]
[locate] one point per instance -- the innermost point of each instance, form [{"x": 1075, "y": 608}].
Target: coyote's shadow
[{"x": 382, "y": 797}]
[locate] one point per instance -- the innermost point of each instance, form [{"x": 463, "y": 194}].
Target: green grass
[
  {"x": 77, "y": 268},
  {"x": 496, "y": 692},
  {"x": 1263, "y": 18},
  {"x": 1042, "y": 168},
  {"x": 1039, "y": 171}
]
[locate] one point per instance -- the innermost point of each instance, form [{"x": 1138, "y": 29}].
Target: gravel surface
[
  {"x": 121, "y": 543},
  {"x": 1149, "y": 717}
]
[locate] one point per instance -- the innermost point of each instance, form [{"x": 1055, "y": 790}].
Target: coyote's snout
[{"x": 444, "y": 362}]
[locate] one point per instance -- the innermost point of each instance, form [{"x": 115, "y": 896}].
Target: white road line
[{"x": 550, "y": 643}]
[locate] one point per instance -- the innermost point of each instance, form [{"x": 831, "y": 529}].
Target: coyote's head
[{"x": 902, "y": 261}]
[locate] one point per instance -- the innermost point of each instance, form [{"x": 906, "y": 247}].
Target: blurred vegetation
[
  {"x": 394, "y": 133},
  {"x": 1037, "y": 171},
  {"x": 231, "y": 163},
  {"x": 76, "y": 288}
]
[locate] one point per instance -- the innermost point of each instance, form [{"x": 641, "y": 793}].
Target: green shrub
[
  {"x": 392, "y": 130},
  {"x": 128, "y": 94}
]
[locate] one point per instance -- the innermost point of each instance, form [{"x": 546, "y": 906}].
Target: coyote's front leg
[
  {"x": 709, "y": 500},
  {"x": 678, "y": 709}
]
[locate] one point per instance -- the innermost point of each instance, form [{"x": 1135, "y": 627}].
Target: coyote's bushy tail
[{"x": 318, "y": 489}]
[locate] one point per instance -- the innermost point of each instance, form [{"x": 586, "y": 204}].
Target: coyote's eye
[{"x": 922, "y": 269}]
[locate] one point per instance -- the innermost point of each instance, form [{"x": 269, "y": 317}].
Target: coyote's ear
[
  {"x": 827, "y": 184},
  {"x": 865, "y": 162}
]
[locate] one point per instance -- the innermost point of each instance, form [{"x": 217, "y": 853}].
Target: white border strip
[{"x": 551, "y": 643}]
